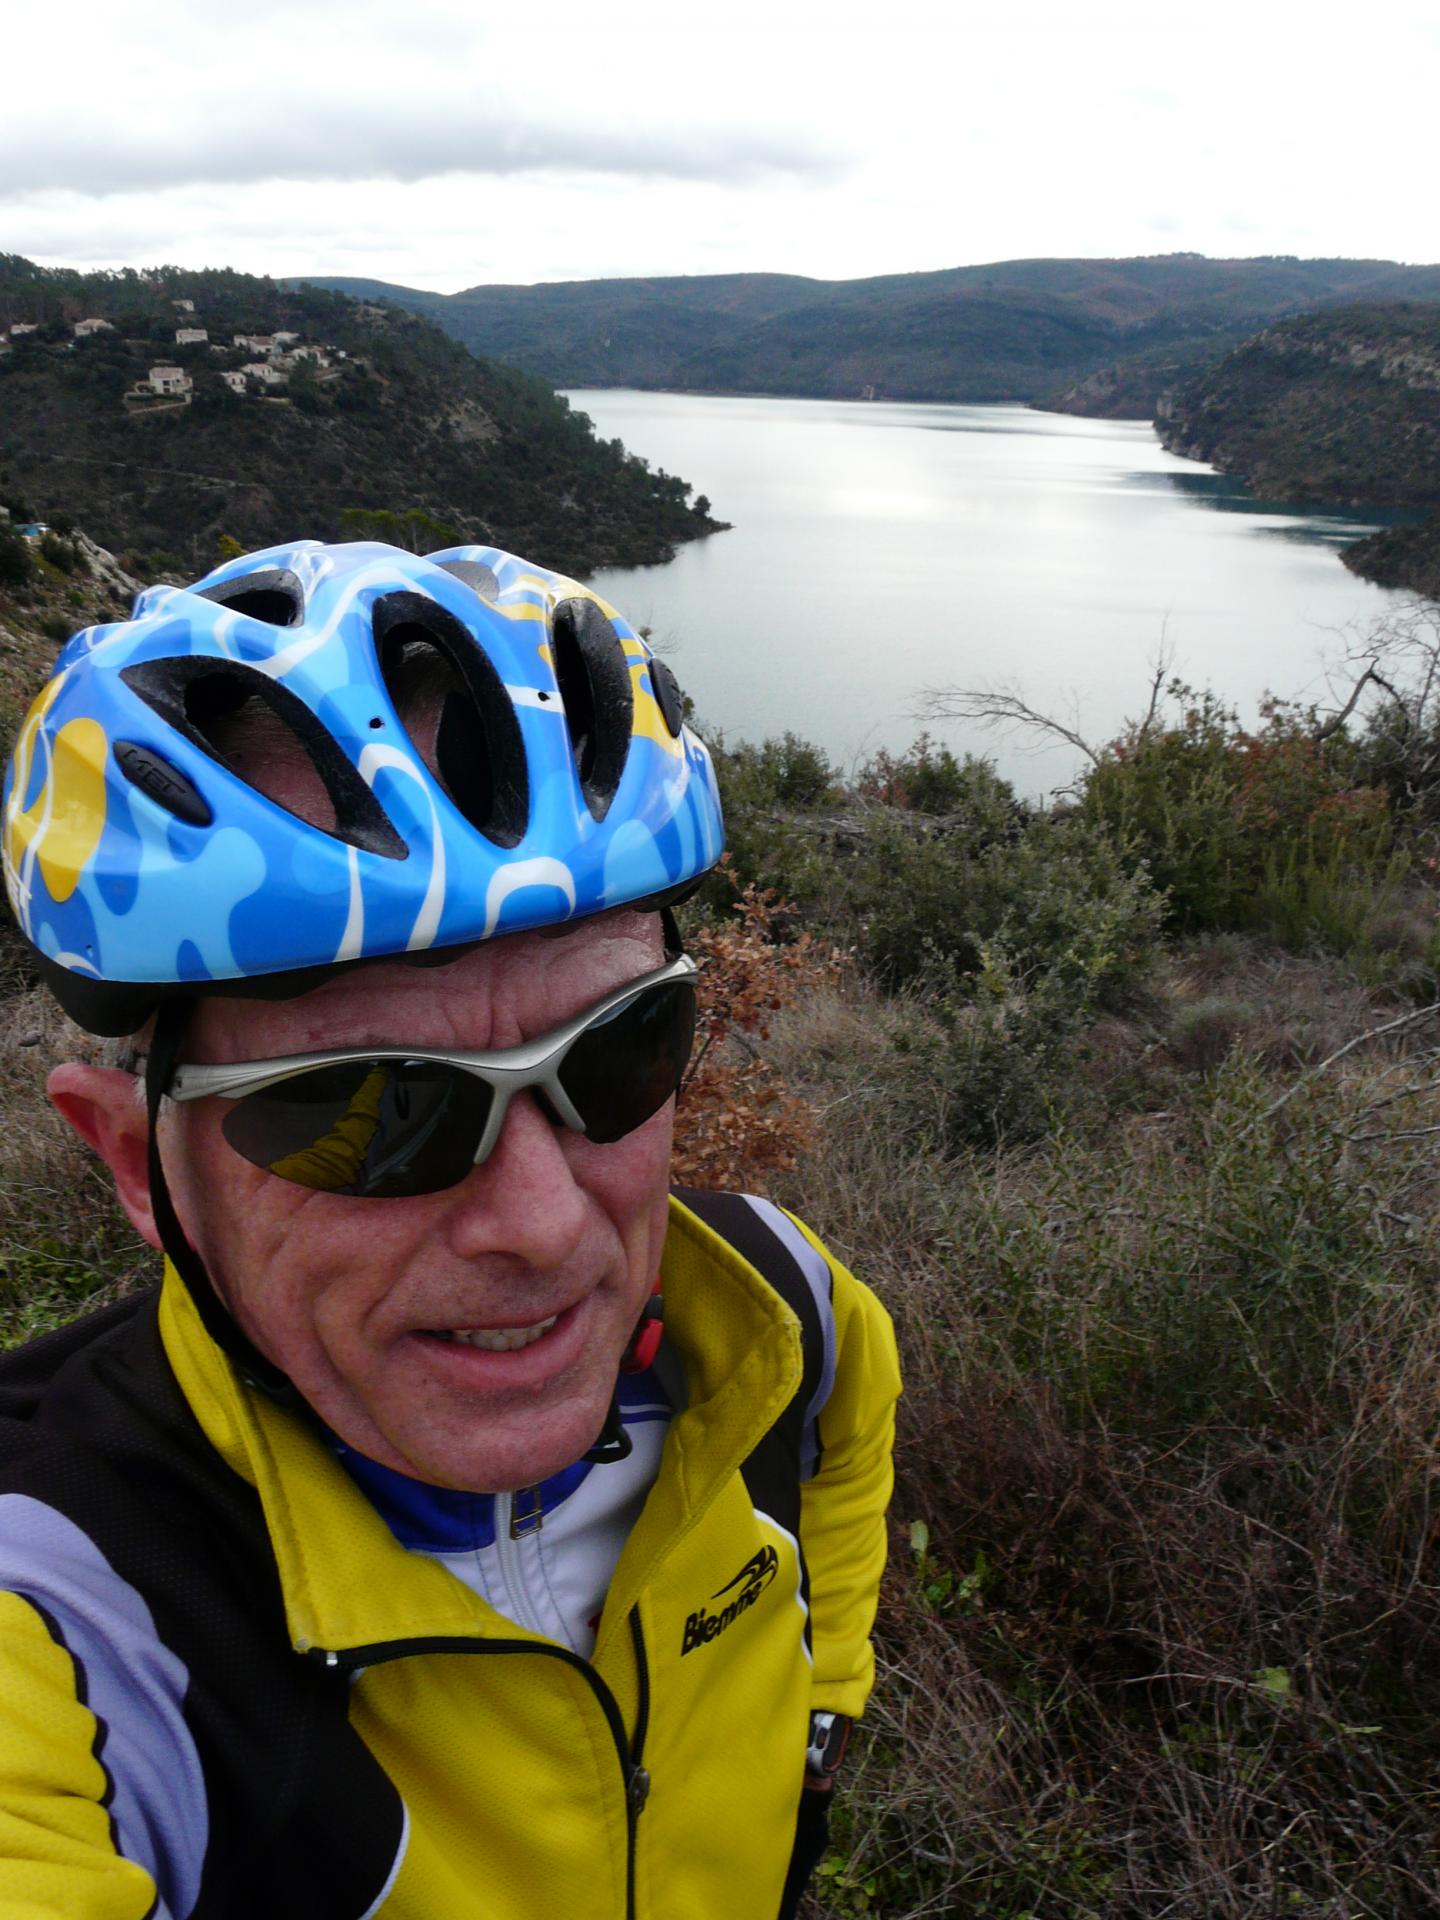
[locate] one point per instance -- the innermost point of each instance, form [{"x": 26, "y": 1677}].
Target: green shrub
[
  {"x": 16, "y": 566},
  {"x": 929, "y": 779},
  {"x": 62, "y": 554},
  {"x": 1399, "y": 751},
  {"x": 1335, "y": 901},
  {"x": 1054, "y": 901},
  {"x": 990, "y": 1069},
  {"x": 783, "y": 772},
  {"x": 1204, "y": 805},
  {"x": 763, "y": 789}
]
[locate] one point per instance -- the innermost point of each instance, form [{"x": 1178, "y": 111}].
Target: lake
[{"x": 881, "y": 549}]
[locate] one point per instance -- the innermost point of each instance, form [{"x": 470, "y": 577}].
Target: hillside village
[
  {"x": 258, "y": 365},
  {"x": 165, "y": 409}
]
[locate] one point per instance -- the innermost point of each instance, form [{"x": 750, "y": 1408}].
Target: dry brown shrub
[{"x": 738, "y": 1123}]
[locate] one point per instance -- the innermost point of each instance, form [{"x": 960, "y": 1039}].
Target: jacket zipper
[
  {"x": 510, "y": 1561},
  {"x": 637, "y": 1786},
  {"x": 629, "y": 1752}
]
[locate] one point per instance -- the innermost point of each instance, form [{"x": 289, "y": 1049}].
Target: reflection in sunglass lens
[
  {"x": 625, "y": 1068},
  {"x": 381, "y": 1128}
]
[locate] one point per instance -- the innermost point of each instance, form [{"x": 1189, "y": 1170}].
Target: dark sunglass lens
[
  {"x": 625, "y": 1068},
  {"x": 382, "y": 1129}
]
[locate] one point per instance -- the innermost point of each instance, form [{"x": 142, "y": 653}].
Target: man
[{"x": 467, "y": 1526}]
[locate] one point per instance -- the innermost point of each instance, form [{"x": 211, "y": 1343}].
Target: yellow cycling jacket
[{"x": 226, "y": 1689}]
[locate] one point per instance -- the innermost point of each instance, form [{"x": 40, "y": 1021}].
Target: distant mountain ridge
[
  {"x": 342, "y": 408},
  {"x": 1019, "y": 330}
]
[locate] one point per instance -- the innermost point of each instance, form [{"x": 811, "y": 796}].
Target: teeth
[{"x": 501, "y": 1339}]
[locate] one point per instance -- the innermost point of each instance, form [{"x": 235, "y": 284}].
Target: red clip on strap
[{"x": 645, "y": 1343}]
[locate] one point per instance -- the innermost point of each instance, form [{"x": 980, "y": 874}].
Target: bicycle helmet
[{"x": 560, "y": 780}]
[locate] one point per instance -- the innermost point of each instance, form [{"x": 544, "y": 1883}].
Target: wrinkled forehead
[{"x": 495, "y": 994}]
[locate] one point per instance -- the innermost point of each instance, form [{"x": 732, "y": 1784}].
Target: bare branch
[
  {"x": 1410, "y": 1092},
  {"x": 997, "y": 707},
  {"x": 1337, "y": 720},
  {"x": 1360, "y": 1040}
]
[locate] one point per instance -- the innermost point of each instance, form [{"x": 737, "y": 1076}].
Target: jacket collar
[{"x": 347, "y": 1583}]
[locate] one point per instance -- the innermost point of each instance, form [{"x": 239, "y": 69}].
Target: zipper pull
[
  {"x": 637, "y": 1791},
  {"x": 527, "y": 1515}
]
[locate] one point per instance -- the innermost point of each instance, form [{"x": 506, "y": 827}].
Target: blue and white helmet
[{"x": 561, "y": 779}]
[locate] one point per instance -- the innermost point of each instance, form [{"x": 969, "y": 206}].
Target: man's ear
[{"x": 100, "y": 1104}]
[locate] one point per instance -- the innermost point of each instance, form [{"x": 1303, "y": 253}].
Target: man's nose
[{"x": 523, "y": 1200}]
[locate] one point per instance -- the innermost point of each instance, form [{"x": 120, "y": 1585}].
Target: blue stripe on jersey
[{"x": 444, "y": 1520}]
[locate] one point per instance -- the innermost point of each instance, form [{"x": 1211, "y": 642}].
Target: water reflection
[
  {"x": 1294, "y": 520},
  {"x": 879, "y": 548}
]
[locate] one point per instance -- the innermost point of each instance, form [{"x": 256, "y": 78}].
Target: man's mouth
[{"x": 495, "y": 1339}]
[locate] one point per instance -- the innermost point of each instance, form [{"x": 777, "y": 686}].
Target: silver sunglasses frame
[{"x": 507, "y": 1071}]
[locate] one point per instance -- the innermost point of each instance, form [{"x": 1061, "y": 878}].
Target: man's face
[{"x": 348, "y": 1296}]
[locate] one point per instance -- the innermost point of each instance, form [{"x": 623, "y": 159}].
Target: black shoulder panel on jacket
[{"x": 97, "y": 1427}]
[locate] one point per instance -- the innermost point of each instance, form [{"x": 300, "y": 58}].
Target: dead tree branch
[
  {"x": 1001, "y": 708},
  {"x": 1360, "y": 1040}
]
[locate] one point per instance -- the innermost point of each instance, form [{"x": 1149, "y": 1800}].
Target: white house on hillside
[
  {"x": 83, "y": 328},
  {"x": 191, "y": 336},
  {"x": 24, "y": 326},
  {"x": 185, "y": 306},
  {"x": 265, "y": 373},
  {"x": 170, "y": 380},
  {"x": 256, "y": 342},
  {"x": 235, "y": 381}
]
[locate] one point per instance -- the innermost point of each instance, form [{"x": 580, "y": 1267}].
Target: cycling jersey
[{"x": 231, "y": 1687}]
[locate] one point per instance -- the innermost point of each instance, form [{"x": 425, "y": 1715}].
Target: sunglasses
[{"x": 386, "y": 1123}]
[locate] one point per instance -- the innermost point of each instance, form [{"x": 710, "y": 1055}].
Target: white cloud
[
  {"x": 363, "y": 139},
  {"x": 453, "y": 144}
]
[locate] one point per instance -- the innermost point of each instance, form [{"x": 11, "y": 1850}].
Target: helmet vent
[
  {"x": 476, "y": 575},
  {"x": 454, "y": 706},
  {"x": 594, "y": 686},
  {"x": 271, "y": 740},
  {"x": 273, "y": 595}
]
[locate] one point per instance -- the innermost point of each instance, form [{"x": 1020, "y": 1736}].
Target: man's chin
[{"x": 491, "y": 1453}]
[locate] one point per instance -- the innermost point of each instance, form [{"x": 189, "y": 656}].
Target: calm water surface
[{"x": 881, "y": 549}]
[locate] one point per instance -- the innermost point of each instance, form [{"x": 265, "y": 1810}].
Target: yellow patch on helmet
[
  {"x": 520, "y": 610},
  {"x": 649, "y": 720},
  {"x": 20, "y": 824},
  {"x": 61, "y": 828}
]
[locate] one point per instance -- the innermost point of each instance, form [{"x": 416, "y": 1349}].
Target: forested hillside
[
  {"x": 155, "y": 442},
  {"x": 1336, "y": 407},
  {"x": 1030, "y": 330}
]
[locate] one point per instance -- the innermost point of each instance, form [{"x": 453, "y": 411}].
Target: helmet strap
[
  {"x": 674, "y": 939},
  {"x": 170, "y": 1024},
  {"x": 614, "y": 1442}
]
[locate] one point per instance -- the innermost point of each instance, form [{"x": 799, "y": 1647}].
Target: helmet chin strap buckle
[{"x": 614, "y": 1442}]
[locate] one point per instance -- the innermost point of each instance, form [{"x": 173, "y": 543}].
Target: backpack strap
[{"x": 790, "y": 1452}]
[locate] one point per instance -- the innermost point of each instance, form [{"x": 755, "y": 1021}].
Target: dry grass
[
  {"x": 64, "y": 1244},
  {"x": 1165, "y": 1639}
]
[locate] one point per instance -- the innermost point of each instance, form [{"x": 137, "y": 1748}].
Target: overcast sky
[{"x": 446, "y": 143}]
